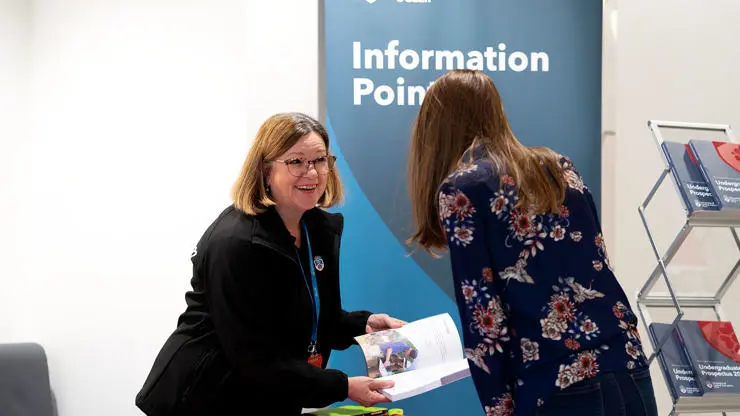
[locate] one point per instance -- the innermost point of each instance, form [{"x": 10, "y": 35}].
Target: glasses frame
[{"x": 331, "y": 159}]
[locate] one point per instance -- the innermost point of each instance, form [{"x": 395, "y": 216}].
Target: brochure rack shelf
[{"x": 673, "y": 299}]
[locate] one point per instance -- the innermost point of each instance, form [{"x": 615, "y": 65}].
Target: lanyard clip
[{"x": 313, "y": 348}]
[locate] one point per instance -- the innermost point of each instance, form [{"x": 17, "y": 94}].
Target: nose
[{"x": 311, "y": 167}]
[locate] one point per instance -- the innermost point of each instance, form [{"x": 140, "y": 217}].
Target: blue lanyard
[{"x": 315, "y": 303}]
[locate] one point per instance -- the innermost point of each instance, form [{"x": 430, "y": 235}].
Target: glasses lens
[
  {"x": 322, "y": 164},
  {"x": 296, "y": 167}
]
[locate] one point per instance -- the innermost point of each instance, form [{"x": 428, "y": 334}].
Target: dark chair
[{"x": 24, "y": 381}]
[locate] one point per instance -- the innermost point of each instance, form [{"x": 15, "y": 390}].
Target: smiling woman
[
  {"x": 279, "y": 157},
  {"x": 289, "y": 169},
  {"x": 265, "y": 310}
]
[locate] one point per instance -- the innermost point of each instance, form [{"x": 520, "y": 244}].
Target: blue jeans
[{"x": 624, "y": 393}]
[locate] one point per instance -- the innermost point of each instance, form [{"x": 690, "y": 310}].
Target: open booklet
[{"x": 418, "y": 357}]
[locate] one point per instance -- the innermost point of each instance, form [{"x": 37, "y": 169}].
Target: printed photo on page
[
  {"x": 388, "y": 352},
  {"x": 419, "y": 356}
]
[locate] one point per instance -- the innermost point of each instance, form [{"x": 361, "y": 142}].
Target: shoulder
[
  {"x": 332, "y": 221},
  {"x": 572, "y": 175},
  {"x": 565, "y": 167},
  {"x": 472, "y": 177},
  {"x": 548, "y": 156},
  {"x": 230, "y": 232},
  {"x": 565, "y": 162},
  {"x": 234, "y": 224}
]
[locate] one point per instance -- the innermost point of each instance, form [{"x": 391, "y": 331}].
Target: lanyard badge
[{"x": 314, "y": 357}]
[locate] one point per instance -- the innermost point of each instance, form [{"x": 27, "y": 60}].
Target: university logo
[{"x": 318, "y": 263}]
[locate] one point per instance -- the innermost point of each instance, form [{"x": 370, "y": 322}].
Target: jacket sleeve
[
  {"x": 238, "y": 308},
  {"x": 463, "y": 209},
  {"x": 347, "y": 326}
]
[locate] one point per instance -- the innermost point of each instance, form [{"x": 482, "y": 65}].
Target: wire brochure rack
[{"x": 678, "y": 301}]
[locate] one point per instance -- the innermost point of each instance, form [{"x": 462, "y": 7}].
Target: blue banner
[{"x": 380, "y": 56}]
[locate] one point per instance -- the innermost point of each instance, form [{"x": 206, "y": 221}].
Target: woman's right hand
[{"x": 363, "y": 390}]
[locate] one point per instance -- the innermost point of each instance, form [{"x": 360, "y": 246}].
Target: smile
[{"x": 306, "y": 187}]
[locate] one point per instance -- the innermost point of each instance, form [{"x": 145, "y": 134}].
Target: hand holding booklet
[{"x": 420, "y": 356}]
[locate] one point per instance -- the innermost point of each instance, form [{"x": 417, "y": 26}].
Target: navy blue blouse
[{"x": 540, "y": 306}]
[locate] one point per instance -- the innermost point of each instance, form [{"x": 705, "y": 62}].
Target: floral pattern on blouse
[{"x": 540, "y": 306}]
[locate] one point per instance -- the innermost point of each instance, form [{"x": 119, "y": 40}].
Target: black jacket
[{"x": 243, "y": 338}]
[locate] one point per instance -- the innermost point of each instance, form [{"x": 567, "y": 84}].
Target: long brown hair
[
  {"x": 461, "y": 109},
  {"x": 276, "y": 136}
]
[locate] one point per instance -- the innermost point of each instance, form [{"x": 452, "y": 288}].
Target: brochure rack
[{"x": 673, "y": 299}]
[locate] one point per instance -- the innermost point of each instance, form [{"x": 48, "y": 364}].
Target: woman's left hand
[{"x": 381, "y": 321}]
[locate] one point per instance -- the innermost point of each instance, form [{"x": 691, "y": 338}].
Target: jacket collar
[{"x": 269, "y": 228}]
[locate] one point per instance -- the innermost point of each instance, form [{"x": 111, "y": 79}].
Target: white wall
[
  {"x": 142, "y": 112},
  {"x": 15, "y": 31},
  {"x": 670, "y": 60}
]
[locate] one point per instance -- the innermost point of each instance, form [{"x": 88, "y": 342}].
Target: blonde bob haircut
[{"x": 276, "y": 136}]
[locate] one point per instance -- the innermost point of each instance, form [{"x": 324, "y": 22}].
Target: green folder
[{"x": 354, "y": 411}]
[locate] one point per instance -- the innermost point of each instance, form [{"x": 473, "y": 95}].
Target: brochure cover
[
  {"x": 719, "y": 163},
  {"x": 714, "y": 351},
  {"x": 693, "y": 189},
  {"x": 675, "y": 365}
]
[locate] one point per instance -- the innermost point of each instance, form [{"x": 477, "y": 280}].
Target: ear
[{"x": 267, "y": 176}]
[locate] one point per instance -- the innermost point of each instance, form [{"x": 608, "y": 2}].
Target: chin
[
  {"x": 308, "y": 208},
  {"x": 303, "y": 206},
  {"x": 304, "y": 203}
]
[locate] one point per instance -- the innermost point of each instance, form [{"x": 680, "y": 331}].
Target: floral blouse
[{"x": 540, "y": 306}]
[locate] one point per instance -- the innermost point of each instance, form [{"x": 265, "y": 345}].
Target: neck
[{"x": 292, "y": 221}]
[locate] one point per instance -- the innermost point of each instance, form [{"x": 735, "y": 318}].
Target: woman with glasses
[
  {"x": 264, "y": 311},
  {"x": 547, "y": 328}
]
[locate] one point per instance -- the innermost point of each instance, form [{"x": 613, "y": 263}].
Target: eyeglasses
[{"x": 300, "y": 166}]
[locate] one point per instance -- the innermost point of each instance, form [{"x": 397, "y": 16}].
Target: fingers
[
  {"x": 398, "y": 321},
  {"x": 368, "y": 395},
  {"x": 393, "y": 322},
  {"x": 381, "y": 384},
  {"x": 382, "y": 321},
  {"x": 372, "y": 399},
  {"x": 376, "y": 397}
]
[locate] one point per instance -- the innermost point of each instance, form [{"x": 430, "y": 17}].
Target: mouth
[{"x": 306, "y": 188}]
